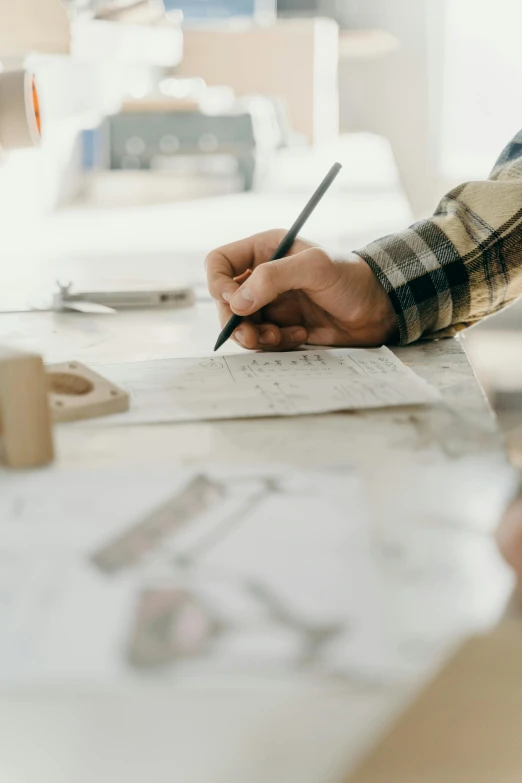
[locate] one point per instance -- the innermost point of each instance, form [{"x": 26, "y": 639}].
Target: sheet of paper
[
  {"x": 265, "y": 384},
  {"x": 111, "y": 573},
  {"x": 114, "y": 573}
]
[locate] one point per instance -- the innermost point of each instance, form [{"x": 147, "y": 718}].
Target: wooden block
[
  {"x": 33, "y": 26},
  {"x": 466, "y": 727},
  {"x": 308, "y": 88},
  {"x": 25, "y": 421},
  {"x": 76, "y": 392}
]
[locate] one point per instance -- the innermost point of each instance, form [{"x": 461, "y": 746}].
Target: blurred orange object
[
  {"x": 36, "y": 106},
  {"x": 20, "y": 124}
]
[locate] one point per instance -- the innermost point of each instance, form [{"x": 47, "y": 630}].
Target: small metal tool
[{"x": 112, "y": 301}]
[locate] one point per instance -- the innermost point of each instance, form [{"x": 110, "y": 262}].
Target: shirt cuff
[{"x": 417, "y": 268}]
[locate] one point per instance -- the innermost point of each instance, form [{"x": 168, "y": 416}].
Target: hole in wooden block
[
  {"x": 69, "y": 384},
  {"x": 76, "y": 393}
]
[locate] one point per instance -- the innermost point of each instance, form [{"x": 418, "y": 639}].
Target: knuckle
[
  {"x": 322, "y": 258},
  {"x": 214, "y": 289},
  {"x": 266, "y": 276},
  {"x": 207, "y": 263},
  {"x": 358, "y": 318}
]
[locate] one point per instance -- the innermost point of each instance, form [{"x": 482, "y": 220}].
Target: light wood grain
[
  {"x": 76, "y": 392},
  {"x": 25, "y": 421}
]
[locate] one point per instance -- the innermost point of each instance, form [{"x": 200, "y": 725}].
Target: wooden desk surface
[{"x": 464, "y": 425}]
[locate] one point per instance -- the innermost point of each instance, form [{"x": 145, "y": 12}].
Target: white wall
[{"x": 481, "y": 85}]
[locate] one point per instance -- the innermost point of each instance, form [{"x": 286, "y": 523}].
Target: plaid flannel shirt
[{"x": 464, "y": 263}]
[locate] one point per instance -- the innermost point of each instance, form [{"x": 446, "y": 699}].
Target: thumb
[{"x": 311, "y": 270}]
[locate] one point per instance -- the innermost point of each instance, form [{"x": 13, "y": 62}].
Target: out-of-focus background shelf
[{"x": 102, "y": 39}]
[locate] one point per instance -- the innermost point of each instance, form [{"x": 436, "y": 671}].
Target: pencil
[{"x": 285, "y": 244}]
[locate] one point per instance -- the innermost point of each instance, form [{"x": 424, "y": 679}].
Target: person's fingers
[
  {"x": 234, "y": 260},
  {"x": 291, "y": 338},
  {"x": 221, "y": 285},
  {"x": 247, "y": 335},
  {"x": 224, "y": 313},
  {"x": 286, "y": 310},
  {"x": 240, "y": 279},
  {"x": 509, "y": 536},
  {"x": 310, "y": 270},
  {"x": 226, "y": 263},
  {"x": 271, "y": 337},
  {"x": 264, "y": 336}
]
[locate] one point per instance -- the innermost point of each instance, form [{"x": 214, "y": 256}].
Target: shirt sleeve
[{"x": 464, "y": 263}]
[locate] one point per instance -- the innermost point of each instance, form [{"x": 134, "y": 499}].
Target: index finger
[{"x": 226, "y": 263}]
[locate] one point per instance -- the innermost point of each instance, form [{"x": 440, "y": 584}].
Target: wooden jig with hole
[
  {"x": 77, "y": 392},
  {"x": 33, "y": 396}
]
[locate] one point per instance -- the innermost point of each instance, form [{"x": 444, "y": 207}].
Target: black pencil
[{"x": 285, "y": 245}]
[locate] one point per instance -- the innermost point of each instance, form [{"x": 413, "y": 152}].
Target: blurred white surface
[
  {"x": 89, "y": 244},
  {"x": 481, "y": 73},
  {"x": 258, "y": 730}
]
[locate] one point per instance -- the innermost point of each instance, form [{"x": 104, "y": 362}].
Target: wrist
[{"x": 377, "y": 314}]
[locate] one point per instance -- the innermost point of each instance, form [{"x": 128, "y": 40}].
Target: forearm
[{"x": 463, "y": 263}]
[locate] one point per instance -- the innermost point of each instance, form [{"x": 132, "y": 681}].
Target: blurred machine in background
[
  {"x": 163, "y": 134},
  {"x": 185, "y": 89},
  {"x": 199, "y": 114}
]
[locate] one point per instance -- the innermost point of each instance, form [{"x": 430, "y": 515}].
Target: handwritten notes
[{"x": 266, "y": 384}]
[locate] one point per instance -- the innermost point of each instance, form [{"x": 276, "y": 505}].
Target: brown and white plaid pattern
[{"x": 462, "y": 264}]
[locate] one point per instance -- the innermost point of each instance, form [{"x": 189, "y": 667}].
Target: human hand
[{"x": 306, "y": 297}]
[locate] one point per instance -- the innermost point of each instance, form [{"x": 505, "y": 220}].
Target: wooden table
[
  {"x": 463, "y": 426},
  {"x": 442, "y": 465}
]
